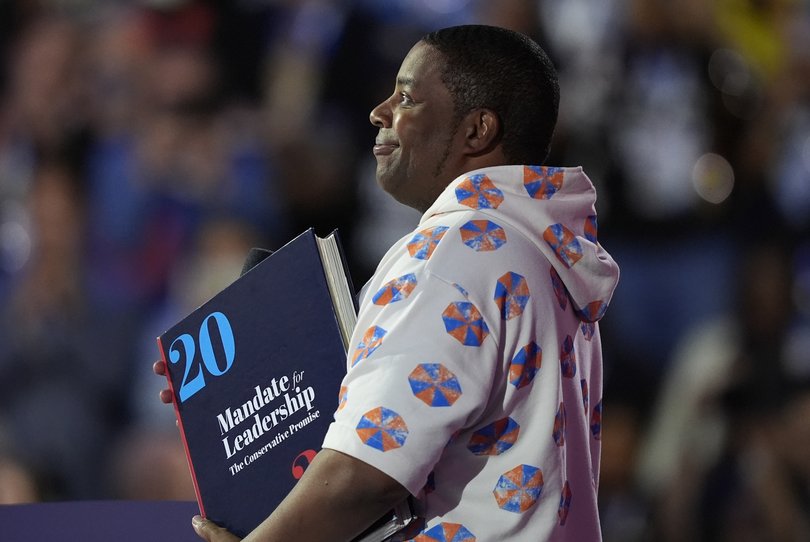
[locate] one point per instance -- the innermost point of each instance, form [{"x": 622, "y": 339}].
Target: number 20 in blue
[{"x": 209, "y": 357}]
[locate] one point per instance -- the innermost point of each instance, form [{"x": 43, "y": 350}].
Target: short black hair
[{"x": 507, "y": 72}]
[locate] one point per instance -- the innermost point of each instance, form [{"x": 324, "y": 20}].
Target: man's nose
[{"x": 380, "y": 116}]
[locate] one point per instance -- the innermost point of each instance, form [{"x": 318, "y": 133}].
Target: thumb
[{"x": 210, "y": 531}]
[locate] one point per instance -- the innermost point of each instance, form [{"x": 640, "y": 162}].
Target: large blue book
[{"x": 255, "y": 375}]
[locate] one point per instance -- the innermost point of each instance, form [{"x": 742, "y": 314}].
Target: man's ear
[{"x": 483, "y": 131}]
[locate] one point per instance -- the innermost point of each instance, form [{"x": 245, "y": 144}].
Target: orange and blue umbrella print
[
  {"x": 434, "y": 384},
  {"x": 446, "y": 532},
  {"x": 383, "y": 429},
  {"x": 518, "y": 489},
  {"x": 464, "y": 322}
]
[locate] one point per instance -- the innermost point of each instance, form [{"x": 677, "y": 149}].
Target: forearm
[{"x": 337, "y": 498}]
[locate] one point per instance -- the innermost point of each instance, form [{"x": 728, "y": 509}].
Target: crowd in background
[{"x": 146, "y": 145}]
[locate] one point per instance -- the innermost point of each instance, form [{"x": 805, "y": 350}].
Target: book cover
[{"x": 255, "y": 375}]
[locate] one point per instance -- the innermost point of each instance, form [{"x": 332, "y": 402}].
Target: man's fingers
[
  {"x": 210, "y": 531},
  {"x": 166, "y": 396},
  {"x": 159, "y": 368}
]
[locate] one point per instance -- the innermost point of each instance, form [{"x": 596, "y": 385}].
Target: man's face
[{"x": 416, "y": 145}]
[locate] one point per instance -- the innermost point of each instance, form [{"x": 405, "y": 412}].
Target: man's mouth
[{"x": 384, "y": 148}]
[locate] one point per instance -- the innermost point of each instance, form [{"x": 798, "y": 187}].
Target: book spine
[{"x": 179, "y": 420}]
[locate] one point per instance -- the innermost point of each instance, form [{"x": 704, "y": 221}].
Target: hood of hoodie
[{"x": 554, "y": 207}]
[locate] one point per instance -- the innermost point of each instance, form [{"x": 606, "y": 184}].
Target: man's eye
[{"x": 404, "y": 99}]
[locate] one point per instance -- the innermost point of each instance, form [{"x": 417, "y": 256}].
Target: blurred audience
[
  {"x": 725, "y": 378},
  {"x": 146, "y": 145},
  {"x": 17, "y": 483},
  {"x": 624, "y": 510},
  {"x": 759, "y": 487},
  {"x": 150, "y": 465},
  {"x": 64, "y": 361}
]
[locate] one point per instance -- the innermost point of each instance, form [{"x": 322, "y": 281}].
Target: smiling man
[
  {"x": 418, "y": 132},
  {"x": 474, "y": 380}
]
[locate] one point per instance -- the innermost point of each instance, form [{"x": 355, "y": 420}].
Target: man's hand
[
  {"x": 159, "y": 368},
  {"x": 210, "y": 531}
]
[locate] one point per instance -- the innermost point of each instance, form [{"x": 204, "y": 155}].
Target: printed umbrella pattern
[
  {"x": 479, "y": 192},
  {"x": 591, "y": 228},
  {"x": 483, "y": 235},
  {"x": 565, "y": 503},
  {"x": 343, "y": 395},
  {"x": 446, "y": 532},
  {"x": 511, "y": 295},
  {"x": 464, "y": 322},
  {"x": 568, "y": 358},
  {"x": 525, "y": 365},
  {"x": 585, "y": 397},
  {"x": 383, "y": 429},
  {"x": 596, "y": 421},
  {"x": 434, "y": 384},
  {"x": 423, "y": 243},
  {"x": 593, "y": 311},
  {"x": 495, "y": 438},
  {"x": 542, "y": 182},
  {"x": 559, "y": 426},
  {"x": 588, "y": 330},
  {"x": 368, "y": 344},
  {"x": 518, "y": 489},
  {"x": 395, "y": 290},
  {"x": 564, "y": 244}
]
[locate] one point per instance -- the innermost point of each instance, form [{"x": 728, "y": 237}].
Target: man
[{"x": 474, "y": 383}]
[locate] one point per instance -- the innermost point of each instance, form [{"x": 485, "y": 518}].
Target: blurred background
[{"x": 146, "y": 145}]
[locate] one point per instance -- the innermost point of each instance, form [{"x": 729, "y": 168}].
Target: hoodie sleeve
[{"x": 422, "y": 367}]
